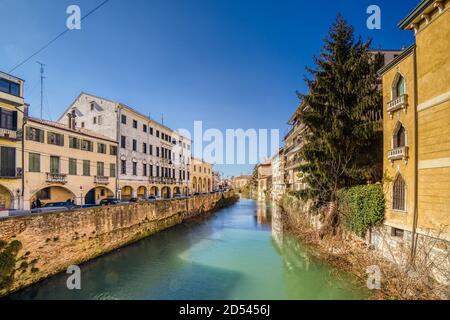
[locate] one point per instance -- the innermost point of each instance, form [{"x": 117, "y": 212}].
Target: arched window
[
  {"x": 400, "y": 137},
  {"x": 399, "y": 196},
  {"x": 399, "y": 86}
]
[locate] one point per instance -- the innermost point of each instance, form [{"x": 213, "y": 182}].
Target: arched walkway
[
  {"x": 97, "y": 194},
  {"x": 142, "y": 192},
  {"x": 154, "y": 191},
  {"x": 204, "y": 185},
  {"x": 126, "y": 193},
  {"x": 209, "y": 185},
  {"x": 6, "y": 198},
  {"x": 55, "y": 194},
  {"x": 165, "y": 193},
  {"x": 176, "y": 190}
]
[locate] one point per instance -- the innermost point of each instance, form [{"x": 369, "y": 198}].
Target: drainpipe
[
  {"x": 24, "y": 122},
  {"x": 416, "y": 164}
]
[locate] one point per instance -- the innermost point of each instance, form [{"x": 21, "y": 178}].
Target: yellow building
[
  {"x": 67, "y": 163},
  {"x": 416, "y": 95},
  {"x": 12, "y": 109},
  {"x": 202, "y": 176}
]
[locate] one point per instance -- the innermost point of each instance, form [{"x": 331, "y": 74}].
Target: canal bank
[
  {"x": 239, "y": 252},
  {"x": 35, "y": 247}
]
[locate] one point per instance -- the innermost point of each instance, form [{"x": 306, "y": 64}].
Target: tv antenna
[{"x": 42, "y": 84}]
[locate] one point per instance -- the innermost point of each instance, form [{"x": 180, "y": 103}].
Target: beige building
[
  {"x": 12, "y": 109},
  {"x": 67, "y": 163},
  {"x": 240, "y": 182},
  {"x": 202, "y": 176},
  {"x": 264, "y": 180}
]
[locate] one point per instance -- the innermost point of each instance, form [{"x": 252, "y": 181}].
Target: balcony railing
[
  {"x": 397, "y": 104},
  {"x": 101, "y": 180},
  {"x": 56, "y": 178},
  {"x": 398, "y": 154},
  {"x": 8, "y": 134},
  {"x": 11, "y": 173}
]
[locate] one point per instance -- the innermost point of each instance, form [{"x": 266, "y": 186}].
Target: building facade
[
  {"x": 152, "y": 159},
  {"x": 66, "y": 163},
  {"x": 12, "y": 110},
  {"x": 264, "y": 181},
  {"x": 239, "y": 182},
  {"x": 278, "y": 185},
  {"x": 416, "y": 95},
  {"x": 202, "y": 176}
]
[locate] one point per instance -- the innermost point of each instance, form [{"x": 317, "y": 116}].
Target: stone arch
[
  {"x": 142, "y": 192},
  {"x": 97, "y": 194},
  {"x": 55, "y": 194},
  {"x": 6, "y": 198},
  {"x": 399, "y": 192},
  {"x": 165, "y": 192},
  {"x": 399, "y": 135},
  {"x": 126, "y": 193},
  {"x": 176, "y": 190},
  {"x": 154, "y": 191}
]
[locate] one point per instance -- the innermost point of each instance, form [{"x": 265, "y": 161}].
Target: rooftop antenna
[
  {"x": 42, "y": 84},
  {"x": 162, "y": 118}
]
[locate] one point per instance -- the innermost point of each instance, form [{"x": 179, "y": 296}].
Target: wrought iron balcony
[
  {"x": 101, "y": 180},
  {"x": 10, "y": 173},
  {"x": 397, "y": 104},
  {"x": 398, "y": 154},
  {"x": 57, "y": 178}
]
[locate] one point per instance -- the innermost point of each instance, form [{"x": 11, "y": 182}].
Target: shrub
[{"x": 361, "y": 208}]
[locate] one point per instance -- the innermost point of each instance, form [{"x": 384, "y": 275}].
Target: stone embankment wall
[{"x": 35, "y": 247}]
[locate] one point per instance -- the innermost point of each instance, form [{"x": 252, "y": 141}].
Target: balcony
[
  {"x": 397, "y": 104},
  {"x": 8, "y": 134},
  {"x": 57, "y": 178},
  {"x": 101, "y": 180},
  {"x": 398, "y": 154},
  {"x": 11, "y": 173}
]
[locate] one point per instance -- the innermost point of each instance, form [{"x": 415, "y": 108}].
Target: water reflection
[{"x": 241, "y": 252}]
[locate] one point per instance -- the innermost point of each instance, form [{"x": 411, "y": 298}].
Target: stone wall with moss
[{"x": 35, "y": 247}]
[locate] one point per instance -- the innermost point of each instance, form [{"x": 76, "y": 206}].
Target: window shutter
[{"x": 14, "y": 120}]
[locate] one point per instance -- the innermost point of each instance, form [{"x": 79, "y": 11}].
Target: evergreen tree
[{"x": 342, "y": 115}]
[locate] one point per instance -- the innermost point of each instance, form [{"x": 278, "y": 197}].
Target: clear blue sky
[{"x": 229, "y": 63}]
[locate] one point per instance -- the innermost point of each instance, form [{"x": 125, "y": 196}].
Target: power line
[{"x": 57, "y": 37}]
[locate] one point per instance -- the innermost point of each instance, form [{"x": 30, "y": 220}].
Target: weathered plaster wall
[{"x": 43, "y": 245}]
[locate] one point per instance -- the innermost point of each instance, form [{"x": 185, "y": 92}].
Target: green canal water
[{"x": 239, "y": 252}]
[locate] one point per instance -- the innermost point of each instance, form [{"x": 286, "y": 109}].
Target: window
[
  {"x": 92, "y": 106},
  {"x": 100, "y": 169},
  {"x": 82, "y": 124},
  {"x": 134, "y": 145},
  {"x": 157, "y": 133},
  {"x": 123, "y": 142},
  {"x": 124, "y": 119},
  {"x": 400, "y": 87},
  {"x": 55, "y": 139},
  {"x": 55, "y": 167},
  {"x": 123, "y": 166},
  {"x": 399, "y": 196},
  {"x": 72, "y": 167},
  {"x": 101, "y": 148},
  {"x": 94, "y": 120},
  {"x": 7, "y": 162},
  {"x": 157, "y": 151},
  {"x": 144, "y": 148},
  {"x": 134, "y": 168},
  {"x": 400, "y": 137},
  {"x": 113, "y": 150},
  {"x": 397, "y": 232},
  {"x": 112, "y": 170},
  {"x": 86, "y": 145},
  {"x": 151, "y": 131},
  {"x": 74, "y": 143},
  {"x": 144, "y": 128},
  {"x": 10, "y": 87},
  {"x": 151, "y": 170},
  {"x": 150, "y": 149},
  {"x": 34, "y": 134},
  {"x": 135, "y": 124},
  {"x": 100, "y": 120},
  {"x": 34, "y": 162},
  {"x": 86, "y": 168},
  {"x": 144, "y": 169},
  {"x": 157, "y": 171},
  {"x": 8, "y": 119}
]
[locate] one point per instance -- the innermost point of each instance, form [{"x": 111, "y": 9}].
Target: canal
[{"x": 240, "y": 252}]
